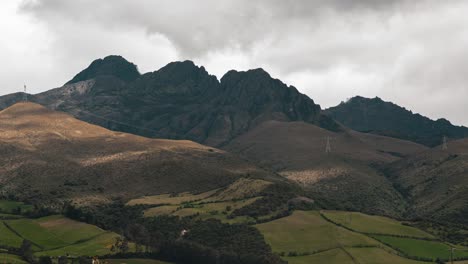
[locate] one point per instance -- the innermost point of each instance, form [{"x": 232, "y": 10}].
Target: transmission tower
[
  {"x": 444, "y": 143},
  {"x": 328, "y": 147},
  {"x": 25, "y": 94}
]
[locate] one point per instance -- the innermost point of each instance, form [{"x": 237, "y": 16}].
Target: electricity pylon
[
  {"x": 25, "y": 95},
  {"x": 444, "y": 143},
  {"x": 328, "y": 147}
]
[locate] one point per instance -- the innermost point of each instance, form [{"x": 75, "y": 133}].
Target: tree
[
  {"x": 63, "y": 260},
  {"x": 45, "y": 260},
  {"x": 120, "y": 245},
  {"x": 26, "y": 251}
]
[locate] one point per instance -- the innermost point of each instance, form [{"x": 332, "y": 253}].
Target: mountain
[
  {"x": 385, "y": 118},
  {"x": 179, "y": 101},
  {"x": 50, "y": 156},
  {"x": 115, "y": 66},
  {"x": 343, "y": 175},
  {"x": 435, "y": 182}
]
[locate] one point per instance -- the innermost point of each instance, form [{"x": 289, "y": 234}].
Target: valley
[{"x": 174, "y": 166}]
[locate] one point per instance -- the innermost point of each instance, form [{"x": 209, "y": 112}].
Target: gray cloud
[{"x": 410, "y": 52}]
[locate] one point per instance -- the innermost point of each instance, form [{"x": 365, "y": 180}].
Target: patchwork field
[
  {"x": 308, "y": 232},
  {"x": 378, "y": 255},
  {"x": 352, "y": 256},
  {"x": 11, "y": 259},
  {"x": 310, "y": 237},
  {"x": 10, "y": 207},
  {"x": 8, "y": 238},
  {"x": 56, "y": 236},
  {"x": 373, "y": 224},
  {"x": 135, "y": 261},
  {"x": 217, "y": 204},
  {"x": 421, "y": 248}
]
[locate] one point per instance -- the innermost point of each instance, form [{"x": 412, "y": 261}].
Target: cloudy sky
[{"x": 414, "y": 53}]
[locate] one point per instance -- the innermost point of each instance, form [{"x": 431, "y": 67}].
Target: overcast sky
[{"x": 414, "y": 53}]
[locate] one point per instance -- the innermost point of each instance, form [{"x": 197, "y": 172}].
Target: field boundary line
[
  {"x": 22, "y": 237},
  {"x": 77, "y": 242},
  {"x": 349, "y": 255}
]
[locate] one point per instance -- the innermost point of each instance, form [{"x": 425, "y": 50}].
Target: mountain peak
[
  {"x": 113, "y": 65},
  {"x": 389, "y": 119}
]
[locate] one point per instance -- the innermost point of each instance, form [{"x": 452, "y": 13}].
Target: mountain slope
[
  {"x": 388, "y": 119},
  {"x": 345, "y": 177},
  {"x": 47, "y": 155},
  {"x": 435, "y": 182},
  {"x": 179, "y": 101}
]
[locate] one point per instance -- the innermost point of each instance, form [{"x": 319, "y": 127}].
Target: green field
[
  {"x": 352, "y": 256},
  {"x": 9, "y": 207},
  {"x": 9, "y": 238},
  {"x": 168, "y": 199},
  {"x": 420, "y": 248},
  {"x": 99, "y": 245},
  {"x": 32, "y": 231},
  {"x": 57, "y": 236},
  {"x": 333, "y": 256},
  {"x": 373, "y": 224},
  {"x": 378, "y": 255},
  {"x": 308, "y": 232},
  {"x": 204, "y": 209},
  {"x": 67, "y": 230},
  {"x": 135, "y": 261},
  {"x": 11, "y": 259}
]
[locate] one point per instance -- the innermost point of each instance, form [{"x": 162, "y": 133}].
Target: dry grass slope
[{"x": 48, "y": 155}]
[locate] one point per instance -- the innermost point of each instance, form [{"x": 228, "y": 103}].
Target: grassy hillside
[
  {"x": 67, "y": 159},
  {"x": 11, "y": 259},
  {"x": 311, "y": 237},
  {"x": 218, "y": 204},
  {"x": 135, "y": 261},
  {"x": 435, "y": 183},
  {"x": 10, "y": 207},
  {"x": 374, "y": 224},
  {"x": 308, "y": 232},
  {"x": 57, "y": 236},
  {"x": 332, "y": 256},
  {"x": 344, "y": 177},
  {"x": 8, "y": 238},
  {"x": 421, "y": 248}
]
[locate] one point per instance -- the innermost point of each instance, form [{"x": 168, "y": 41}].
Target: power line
[{"x": 117, "y": 122}]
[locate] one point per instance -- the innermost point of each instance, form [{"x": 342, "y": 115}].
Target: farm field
[
  {"x": 217, "y": 204},
  {"x": 420, "y": 248},
  {"x": 240, "y": 190},
  {"x": 373, "y": 224},
  {"x": 308, "y": 237},
  {"x": 378, "y": 255},
  {"x": 11, "y": 259},
  {"x": 9, "y": 207},
  {"x": 99, "y": 245},
  {"x": 8, "y": 237},
  {"x": 352, "y": 256},
  {"x": 56, "y": 236},
  {"x": 135, "y": 261},
  {"x": 308, "y": 232},
  {"x": 333, "y": 256}
]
